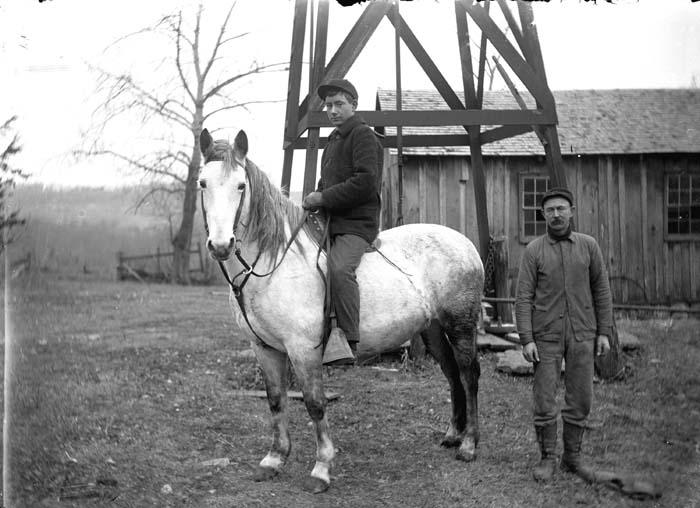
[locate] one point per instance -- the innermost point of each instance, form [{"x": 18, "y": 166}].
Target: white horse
[{"x": 434, "y": 289}]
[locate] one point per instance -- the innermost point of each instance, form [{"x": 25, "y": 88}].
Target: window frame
[
  {"x": 524, "y": 238},
  {"x": 694, "y": 182}
]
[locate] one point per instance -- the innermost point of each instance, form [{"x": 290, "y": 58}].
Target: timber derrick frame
[{"x": 525, "y": 61}]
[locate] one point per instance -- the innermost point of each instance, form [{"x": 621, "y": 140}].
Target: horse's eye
[
  {"x": 241, "y": 187},
  {"x": 202, "y": 184}
]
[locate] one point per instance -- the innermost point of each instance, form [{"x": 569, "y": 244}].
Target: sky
[{"x": 49, "y": 48}]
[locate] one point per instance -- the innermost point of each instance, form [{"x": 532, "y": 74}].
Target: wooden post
[
  {"x": 500, "y": 275},
  {"x": 292, "y": 114},
  {"x": 317, "y": 64},
  {"x": 201, "y": 258},
  {"x": 120, "y": 256}
]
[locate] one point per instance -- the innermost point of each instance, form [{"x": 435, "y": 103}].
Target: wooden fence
[{"x": 127, "y": 265}]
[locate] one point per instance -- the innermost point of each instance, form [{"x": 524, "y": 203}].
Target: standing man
[
  {"x": 351, "y": 173},
  {"x": 563, "y": 309}
]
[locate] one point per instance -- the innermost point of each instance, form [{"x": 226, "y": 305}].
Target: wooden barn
[{"x": 632, "y": 160}]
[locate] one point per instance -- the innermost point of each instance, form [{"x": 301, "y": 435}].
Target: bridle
[{"x": 248, "y": 268}]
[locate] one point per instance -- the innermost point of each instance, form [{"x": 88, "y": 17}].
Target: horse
[{"x": 432, "y": 286}]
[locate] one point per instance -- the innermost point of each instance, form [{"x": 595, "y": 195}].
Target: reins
[{"x": 248, "y": 269}]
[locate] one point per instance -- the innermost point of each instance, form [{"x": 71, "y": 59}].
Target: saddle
[{"x": 317, "y": 227}]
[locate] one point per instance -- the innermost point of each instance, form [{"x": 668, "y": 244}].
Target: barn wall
[{"x": 620, "y": 202}]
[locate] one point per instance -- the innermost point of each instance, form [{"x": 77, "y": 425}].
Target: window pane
[
  {"x": 528, "y": 185},
  {"x": 695, "y": 227},
  {"x": 529, "y": 200},
  {"x": 673, "y": 181},
  {"x": 540, "y": 228},
  {"x": 672, "y": 227},
  {"x": 541, "y": 185},
  {"x": 684, "y": 181},
  {"x": 684, "y": 227}
]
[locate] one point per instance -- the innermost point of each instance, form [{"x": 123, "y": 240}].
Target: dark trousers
[
  {"x": 346, "y": 253},
  {"x": 578, "y": 378}
]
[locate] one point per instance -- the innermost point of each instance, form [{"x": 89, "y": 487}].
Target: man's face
[
  {"x": 339, "y": 109},
  {"x": 557, "y": 213}
]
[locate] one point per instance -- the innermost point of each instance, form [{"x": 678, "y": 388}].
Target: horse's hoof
[
  {"x": 315, "y": 485},
  {"x": 466, "y": 456},
  {"x": 450, "y": 442},
  {"x": 467, "y": 451},
  {"x": 262, "y": 474}
]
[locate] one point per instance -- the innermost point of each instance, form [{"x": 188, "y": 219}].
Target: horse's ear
[
  {"x": 205, "y": 141},
  {"x": 240, "y": 145}
]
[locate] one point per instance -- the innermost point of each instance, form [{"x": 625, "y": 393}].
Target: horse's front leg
[
  {"x": 274, "y": 368},
  {"x": 308, "y": 370}
]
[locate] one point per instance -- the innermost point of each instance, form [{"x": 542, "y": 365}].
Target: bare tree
[
  {"x": 9, "y": 219},
  {"x": 199, "y": 85}
]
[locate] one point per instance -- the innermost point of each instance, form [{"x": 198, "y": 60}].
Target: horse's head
[{"x": 223, "y": 182}]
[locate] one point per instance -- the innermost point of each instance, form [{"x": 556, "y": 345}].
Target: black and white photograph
[{"x": 350, "y": 253}]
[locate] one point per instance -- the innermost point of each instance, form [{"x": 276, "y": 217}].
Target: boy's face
[{"x": 339, "y": 109}]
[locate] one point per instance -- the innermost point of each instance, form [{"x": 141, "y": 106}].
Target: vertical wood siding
[{"x": 620, "y": 202}]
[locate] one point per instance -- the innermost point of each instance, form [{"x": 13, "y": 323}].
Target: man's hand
[
  {"x": 312, "y": 201},
  {"x": 530, "y": 352},
  {"x": 602, "y": 345}
]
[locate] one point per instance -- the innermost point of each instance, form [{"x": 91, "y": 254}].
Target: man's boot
[
  {"x": 547, "y": 439},
  {"x": 571, "y": 460}
]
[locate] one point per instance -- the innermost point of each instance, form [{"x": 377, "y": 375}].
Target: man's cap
[
  {"x": 558, "y": 192},
  {"x": 340, "y": 84}
]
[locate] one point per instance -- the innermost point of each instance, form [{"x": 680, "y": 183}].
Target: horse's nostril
[
  {"x": 231, "y": 242},
  {"x": 210, "y": 245}
]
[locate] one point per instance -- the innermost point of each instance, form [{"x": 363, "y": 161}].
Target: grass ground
[{"x": 120, "y": 391}]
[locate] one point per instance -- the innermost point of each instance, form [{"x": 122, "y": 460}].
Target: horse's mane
[{"x": 269, "y": 207}]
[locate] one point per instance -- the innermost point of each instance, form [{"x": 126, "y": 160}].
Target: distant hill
[{"x": 81, "y": 229}]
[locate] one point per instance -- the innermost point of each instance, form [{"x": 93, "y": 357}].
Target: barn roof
[{"x": 633, "y": 121}]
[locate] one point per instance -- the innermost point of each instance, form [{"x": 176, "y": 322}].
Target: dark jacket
[
  {"x": 351, "y": 176},
  {"x": 558, "y": 278}
]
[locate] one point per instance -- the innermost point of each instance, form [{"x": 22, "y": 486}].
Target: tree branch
[
  {"x": 178, "y": 63},
  {"x": 217, "y": 45},
  {"x": 255, "y": 70},
  {"x": 243, "y": 105}
]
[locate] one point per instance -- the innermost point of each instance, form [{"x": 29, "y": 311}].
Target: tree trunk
[{"x": 182, "y": 241}]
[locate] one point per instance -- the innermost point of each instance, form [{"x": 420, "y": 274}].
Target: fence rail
[{"x": 126, "y": 264}]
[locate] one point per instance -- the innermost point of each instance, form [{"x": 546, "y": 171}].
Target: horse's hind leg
[
  {"x": 461, "y": 333},
  {"x": 437, "y": 345},
  {"x": 308, "y": 370},
  {"x": 274, "y": 368}
]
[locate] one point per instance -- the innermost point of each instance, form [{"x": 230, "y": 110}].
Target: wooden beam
[
  {"x": 407, "y": 140},
  {"x": 425, "y": 118},
  {"x": 516, "y": 62},
  {"x": 477, "y": 164},
  {"x": 348, "y": 51},
  {"x": 291, "y": 116},
  {"x": 412, "y": 43},
  {"x": 317, "y": 66},
  {"x": 482, "y": 63},
  {"x": 513, "y": 25},
  {"x": 552, "y": 149},
  {"x": 503, "y": 132},
  {"x": 518, "y": 97}
]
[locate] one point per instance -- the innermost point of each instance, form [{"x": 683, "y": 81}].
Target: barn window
[
  {"x": 532, "y": 223},
  {"x": 682, "y": 206}
]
